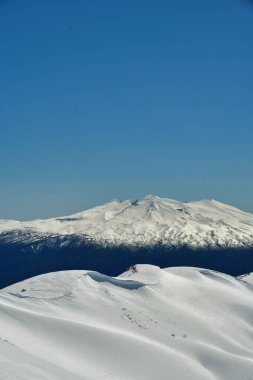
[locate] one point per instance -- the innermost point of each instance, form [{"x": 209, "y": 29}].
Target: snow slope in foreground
[
  {"x": 148, "y": 221},
  {"x": 149, "y": 323}
]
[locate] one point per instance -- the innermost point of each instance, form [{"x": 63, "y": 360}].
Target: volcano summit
[{"x": 118, "y": 234}]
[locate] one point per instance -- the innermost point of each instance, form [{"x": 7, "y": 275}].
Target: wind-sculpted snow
[
  {"x": 145, "y": 222},
  {"x": 149, "y": 323},
  {"x": 126, "y": 284}
]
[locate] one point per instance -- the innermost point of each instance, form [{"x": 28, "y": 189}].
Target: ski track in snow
[{"x": 146, "y": 324}]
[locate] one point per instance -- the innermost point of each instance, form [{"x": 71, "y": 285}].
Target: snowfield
[
  {"x": 147, "y": 324},
  {"x": 146, "y": 222}
]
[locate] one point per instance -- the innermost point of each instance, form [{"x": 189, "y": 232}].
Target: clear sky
[{"x": 119, "y": 99}]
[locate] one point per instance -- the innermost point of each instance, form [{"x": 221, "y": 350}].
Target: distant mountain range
[
  {"x": 112, "y": 236},
  {"x": 146, "y": 222}
]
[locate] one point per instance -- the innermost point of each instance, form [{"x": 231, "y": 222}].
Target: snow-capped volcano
[
  {"x": 146, "y": 222},
  {"x": 147, "y": 324}
]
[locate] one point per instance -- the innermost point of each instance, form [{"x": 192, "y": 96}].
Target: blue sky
[{"x": 113, "y": 99}]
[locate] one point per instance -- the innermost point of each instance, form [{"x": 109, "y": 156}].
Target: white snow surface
[
  {"x": 147, "y": 324},
  {"x": 148, "y": 221}
]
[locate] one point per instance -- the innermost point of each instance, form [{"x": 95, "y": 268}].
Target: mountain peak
[
  {"x": 149, "y": 221},
  {"x": 151, "y": 197}
]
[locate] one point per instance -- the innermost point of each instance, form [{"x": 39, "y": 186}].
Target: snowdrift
[{"x": 148, "y": 323}]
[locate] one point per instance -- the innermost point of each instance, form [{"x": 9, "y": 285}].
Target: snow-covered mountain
[
  {"x": 146, "y": 222},
  {"x": 148, "y": 323}
]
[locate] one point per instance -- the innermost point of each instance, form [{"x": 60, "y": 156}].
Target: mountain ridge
[
  {"x": 185, "y": 323},
  {"x": 148, "y": 221}
]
